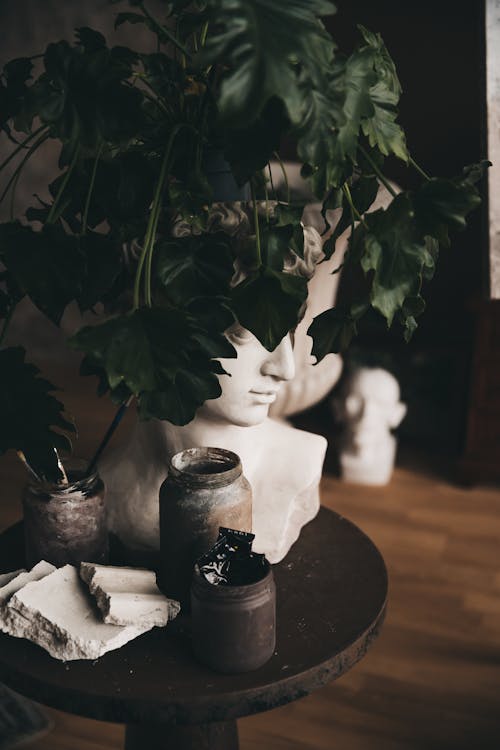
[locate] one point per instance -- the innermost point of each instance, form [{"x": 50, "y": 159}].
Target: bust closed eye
[{"x": 239, "y": 335}]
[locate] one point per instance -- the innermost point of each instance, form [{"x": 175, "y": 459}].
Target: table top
[{"x": 331, "y": 597}]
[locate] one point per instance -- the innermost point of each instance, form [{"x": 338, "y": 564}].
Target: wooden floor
[{"x": 432, "y": 680}]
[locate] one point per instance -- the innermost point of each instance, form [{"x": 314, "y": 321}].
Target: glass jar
[
  {"x": 205, "y": 489},
  {"x": 233, "y": 627},
  {"x": 66, "y": 524}
]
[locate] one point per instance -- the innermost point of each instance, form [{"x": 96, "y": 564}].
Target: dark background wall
[{"x": 438, "y": 48}]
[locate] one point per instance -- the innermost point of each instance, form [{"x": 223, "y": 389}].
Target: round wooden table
[{"x": 331, "y": 599}]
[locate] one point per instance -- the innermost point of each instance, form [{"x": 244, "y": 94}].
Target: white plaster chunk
[
  {"x": 60, "y": 616},
  {"x": 6, "y": 577},
  {"x": 10, "y": 583},
  {"x": 128, "y": 596}
]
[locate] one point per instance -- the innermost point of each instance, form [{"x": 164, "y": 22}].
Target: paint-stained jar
[
  {"x": 205, "y": 489},
  {"x": 66, "y": 524},
  {"x": 233, "y": 627}
]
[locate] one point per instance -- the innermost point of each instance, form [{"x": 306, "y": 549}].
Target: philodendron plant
[{"x": 134, "y": 129}]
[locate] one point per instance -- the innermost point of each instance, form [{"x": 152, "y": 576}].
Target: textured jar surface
[
  {"x": 233, "y": 627},
  {"x": 66, "y": 524},
  {"x": 205, "y": 489}
]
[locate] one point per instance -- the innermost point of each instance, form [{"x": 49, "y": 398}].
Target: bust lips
[{"x": 264, "y": 397}]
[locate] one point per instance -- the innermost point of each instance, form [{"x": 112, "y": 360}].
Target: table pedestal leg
[{"x": 222, "y": 735}]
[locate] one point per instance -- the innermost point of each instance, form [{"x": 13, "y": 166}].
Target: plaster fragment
[{"x": 128, "y": 596}]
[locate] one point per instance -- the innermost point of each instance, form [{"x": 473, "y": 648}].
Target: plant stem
[
  {"x": 109, "y": 432},
  {"x": 419, "y": 169},
  {"x": 17, "y": 172},
  {"x": 149, "y": 255},
  {"x": 90, "y": 191},
  {"x": 203, "y": 36},
  {"x": 271, "y": 181},
  {"x": 21, "y": 146},
  {"x": 256, "y": 222},
  {"x": 354, "y": 211},
  {"x": 6, "y": 322},
  {"x": 147, "y": 250},
  {"x": 267, "y": 200},
  {"x": 164, "y": 30},
  {"x": 285, "y": 176},
  {"x": 377, "y": 171},
  {"x": 52, "y": 217}
]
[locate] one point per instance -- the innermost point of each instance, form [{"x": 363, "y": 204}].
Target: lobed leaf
[
  {"x": 268, "y": 303},
  {"x": 31, "y": 419},
  {"x": 331, "y": 331}
]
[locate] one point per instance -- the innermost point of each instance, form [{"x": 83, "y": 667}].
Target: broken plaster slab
[
  {"x": 128, "y": 596},
  {"x": 58, "y": 614},
  {"x": 6, "y": 577},
  {"x": 11, "y": 583}
]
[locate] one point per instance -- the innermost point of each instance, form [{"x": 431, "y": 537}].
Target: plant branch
[
  {"x": 354, "y": 211},
  {"x": 266, "y": 193},
  {"x": 419, "y": 169},
  {"x": 17, "y": 172},
  {"x": 6, "y": 322},
  {"x": 149, "y": 254},
  {"x": 90, "y": 191},
  {"x": 109, "y": 433},
  {"x": 52, "y": 217},
  {"x": 203, "y": 36},
  {"x": 22, "y": 145},
  {"x": 149, "y": 238},
  {"x": 163, "y": 30},
  {"x": 285, "y": 176},
  {"x": 256, "y": 222},
  {"x": 377, "y": 171},
  {"x": 271, "y": 181}
]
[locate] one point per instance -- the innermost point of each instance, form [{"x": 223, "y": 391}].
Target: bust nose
[{"x": 280, "y": 363}]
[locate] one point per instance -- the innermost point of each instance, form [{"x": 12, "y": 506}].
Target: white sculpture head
[
  {"x": 370, "y": 404},
  {"x": 253, "y": 380},
  {"x": 255, "y": 375}
]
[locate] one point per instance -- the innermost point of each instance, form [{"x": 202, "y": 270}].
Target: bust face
[{"x": 253, "y": 379}]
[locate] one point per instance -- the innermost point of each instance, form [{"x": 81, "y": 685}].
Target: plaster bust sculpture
[
  {"x": 369, "y": 408},
  {"x": 282, "y": 464}
]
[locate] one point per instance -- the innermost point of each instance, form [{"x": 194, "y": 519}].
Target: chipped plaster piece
[
  {"x": 128, "y": 596},
  {"x": 6, "y": 577},
  {"x": 11, "y": 583},
  {"x": 60, "y": 616}
]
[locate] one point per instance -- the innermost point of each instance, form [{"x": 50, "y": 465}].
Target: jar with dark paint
[
  {"x": 66, "y": 524},
  {"x": 205, "y": 489},
  {"x": 233, "y": 627}
]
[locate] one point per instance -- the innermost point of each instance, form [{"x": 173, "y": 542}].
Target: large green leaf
[
  {"x": 328, "y": 137},
  {"x": 381, "y": 127},
  {"x": 444, "y": 204},
  {"x": 197, "y": 266},
  {"x": 248, "y": 149},
  {"x": 261, "y": 44},
  {"x": 163, "y": 356},
  {"x": 47, "y": 265},
  {"x": 331, "y": 331},
  {"x": 13, "y": 92},
  {"x": 83, "y": 96},
  {"x": 268, "y": 303},
  {"x": 396, "y": 253},
  {"x": 363, "y": 193},
  {"x": 31, "y": 420}
]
